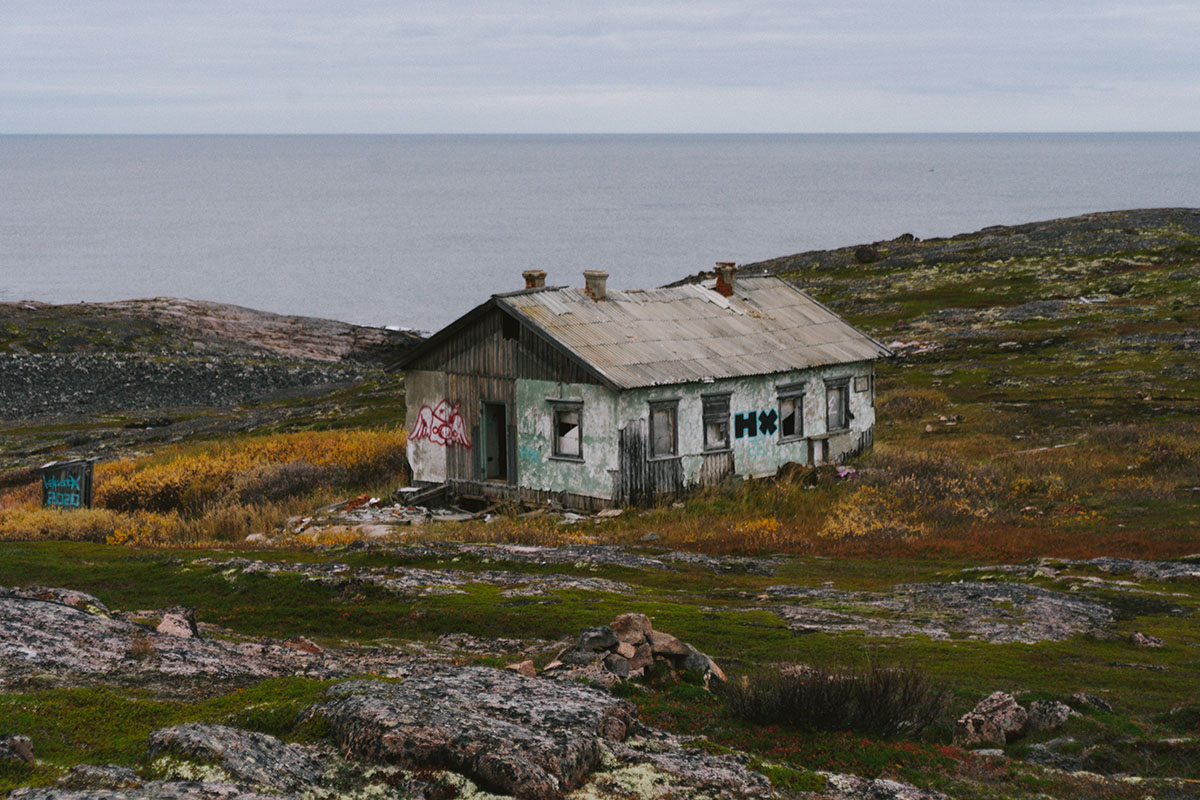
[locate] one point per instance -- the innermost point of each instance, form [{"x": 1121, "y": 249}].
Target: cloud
[{"x": 621, "y": 66}]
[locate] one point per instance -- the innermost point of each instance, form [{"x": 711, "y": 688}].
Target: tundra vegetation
[{"x": 1040, "y": 422}]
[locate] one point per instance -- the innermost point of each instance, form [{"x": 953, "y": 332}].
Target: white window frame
[
  {"x": 558, "y": 407},
  {"x": 714, "y": 408},
  {"x": 795, "y": 393}
]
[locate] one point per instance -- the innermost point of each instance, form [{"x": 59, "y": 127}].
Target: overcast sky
[{"x": 267, "y": 66}]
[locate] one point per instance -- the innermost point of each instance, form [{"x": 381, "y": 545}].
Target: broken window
[
  {"x": 791, "y": 413},
  {"x": 663, "y": 438},
  {"x": 716, "y": 422},
  {"x": 568, "y": 431},
  {"x": 837, "y": 405}
]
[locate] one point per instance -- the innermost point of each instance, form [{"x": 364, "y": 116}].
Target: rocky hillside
[{"x": 95, "y": 378}]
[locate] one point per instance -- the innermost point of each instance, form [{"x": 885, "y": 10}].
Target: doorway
[{"x": 495, "y": 442}]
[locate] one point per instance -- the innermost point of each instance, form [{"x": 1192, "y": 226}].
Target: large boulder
[
  {"x": 996, "y": 720},
  {"x": 1048, "y": 715},
  {"x": 248, "y": 757},
  {"x": 532, "y": 738}
]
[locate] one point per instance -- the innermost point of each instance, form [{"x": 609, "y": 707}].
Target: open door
[{"x": 495, "y": 442}]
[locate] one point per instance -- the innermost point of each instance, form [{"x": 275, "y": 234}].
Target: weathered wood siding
[
  {"x": 640, "y": 479},
  {"x": 484, "y": 350}
]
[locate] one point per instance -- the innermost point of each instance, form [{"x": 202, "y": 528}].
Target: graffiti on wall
[
  {"x": 63, "y": 490},
  {"x": 754, "y": 423},
  {"x": 442, "y": 425}
]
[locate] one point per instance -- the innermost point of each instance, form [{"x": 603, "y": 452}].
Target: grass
[
  {"x": 1071, "y": 434},
  {"x": 110, "y": 726}
]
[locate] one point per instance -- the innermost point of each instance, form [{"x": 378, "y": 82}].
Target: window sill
[
  {"x": 793, "y": 439},
  {"x": 568, "y": 459},
  {"x": 717, "y": 450},
  {"x": 663, "y": 458}
]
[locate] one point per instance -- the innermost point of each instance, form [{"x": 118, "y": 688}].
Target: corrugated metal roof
[{"x": 686, "y": 333}]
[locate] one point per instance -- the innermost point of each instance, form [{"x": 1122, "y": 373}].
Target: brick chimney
[
  {"x": 534, "y": 278},
  {"x": 594, "y": 281},
  {"x": 726, "y": 270}
]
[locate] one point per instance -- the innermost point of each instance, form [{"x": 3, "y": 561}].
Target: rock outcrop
[
  {"x": 247, "y": 757},
  {"x": 72, "y": 638},
  {"x": 996, "y": 720},
  {"x": 528, "y": 737}
]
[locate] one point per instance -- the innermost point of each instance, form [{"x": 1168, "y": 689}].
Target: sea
[{"x": 414, "y": 230}]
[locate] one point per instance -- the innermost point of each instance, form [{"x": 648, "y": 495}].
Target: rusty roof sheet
[{"x": 682, "y": 334}]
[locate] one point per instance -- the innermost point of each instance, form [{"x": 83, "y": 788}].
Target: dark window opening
[
  {"x": 510, "y": 328},
  {"x": 791, "y": 417},
  {"x": 568, "y": 431},
  {"x": 837, "y": 406},
  {"x": 716, "y": 422}
]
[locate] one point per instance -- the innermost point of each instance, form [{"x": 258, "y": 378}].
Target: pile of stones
[{"x": 627, "y": 648}]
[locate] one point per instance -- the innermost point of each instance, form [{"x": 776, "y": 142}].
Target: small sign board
[{"x": 67, "y": 484}]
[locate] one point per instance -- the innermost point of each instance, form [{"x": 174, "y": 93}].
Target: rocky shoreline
[{"x": 75, "y": 384}]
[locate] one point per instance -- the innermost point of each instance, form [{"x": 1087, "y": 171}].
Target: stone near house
[
  {"x": 14, "y": 747},
  {"x": 1139, "y": 639},
  {"x": 997, "y": 719},
  {"x": 526, "y": 668},
  {"x": 304, "y": 645},
  {"x": 643, "y": 656},
  {"x": 664, "y": 644},
  {"x": 179, "y": 621},
  {"x": 628, "y": 647},
  {"x": 1092, "y": 701},
  {"x": 1048, "y": 715},
  {"x": 631, "y": 628},
  {"x": 596, "y": 639}
]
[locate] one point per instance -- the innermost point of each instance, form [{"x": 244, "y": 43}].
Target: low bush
[
  {"x": 881, "y": 701},
  {"x": 904, "y": 495},
  {"x": 910, "y": 403}
]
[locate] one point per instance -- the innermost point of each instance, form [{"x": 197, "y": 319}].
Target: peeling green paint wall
[
  {"x": 537, "y": 466},
  {"x": 761, "y": 453}
]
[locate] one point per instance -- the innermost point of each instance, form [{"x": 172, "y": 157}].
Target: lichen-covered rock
[
  {"x": 596, "y": 639},
  {"x": 154, "y": 790},
  {"x": 533, "y": 738},
  {"x": 852, "y": 787},
  {"x": 1047, "y": 715},
  {"x": 14, "y": 747},
  {"x": 181, "y": 622},
  {"x": 1139, "y": 639},
  {"x": 90, "y": 776},
  {"x": 41, "y": 636},
  {"x": 996, "y": 719},
  {"x": 246, "y": 756}
]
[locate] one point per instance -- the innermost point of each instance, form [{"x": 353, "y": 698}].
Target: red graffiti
[{"x": 442, "y": 424}]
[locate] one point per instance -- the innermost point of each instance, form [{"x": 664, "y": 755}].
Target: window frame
[
  {"x": 708, "y": 415},
  {"x": 557, "y": 407},
  {"x": 673, "y": 407},
  {"x": 796, "y": 393},
  {"x": 843, "y": 385}
]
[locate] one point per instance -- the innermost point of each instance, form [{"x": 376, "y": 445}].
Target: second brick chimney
[
  {"x": 594, "y": 283},
  {"x": 726, "y": 270},
  {"x": 534, "y": 278}
]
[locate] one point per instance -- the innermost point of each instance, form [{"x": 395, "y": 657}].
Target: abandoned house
[{"x": 593, "y": 397}]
